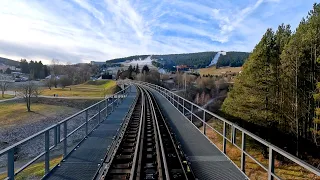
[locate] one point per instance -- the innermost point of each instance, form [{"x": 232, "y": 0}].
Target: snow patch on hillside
[
  {"x": 216, "y": 57},
  {"x": 141, "y": 62}
]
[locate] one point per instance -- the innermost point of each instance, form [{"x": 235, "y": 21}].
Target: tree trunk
[
  {"x": 296, "y": 110},
  {"x": 3, "y": 94},
  {"x": 29, "y": 104}
]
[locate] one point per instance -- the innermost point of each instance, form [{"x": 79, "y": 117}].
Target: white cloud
[{"x": 84, "y": 30}]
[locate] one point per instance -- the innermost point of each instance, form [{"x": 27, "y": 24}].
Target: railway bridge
[{"x": 144, "y": 132}]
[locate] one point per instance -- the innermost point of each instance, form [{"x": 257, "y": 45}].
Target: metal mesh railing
[
  {"x": 233, "y": 135},
  {"x": 57, "y": 141}
]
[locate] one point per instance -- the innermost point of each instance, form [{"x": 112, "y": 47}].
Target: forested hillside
[
  {"x": 119, "y": 60},
  {"x": 8, "y": 62},
  {"x": 198, "y": 60},
  {"x": 277, "y": 86},
  {"x": 233, "y": 59},
  {"x": 195, "y": 60}
]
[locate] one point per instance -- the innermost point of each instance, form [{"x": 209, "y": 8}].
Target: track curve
[{"x": 147, "y": 149}]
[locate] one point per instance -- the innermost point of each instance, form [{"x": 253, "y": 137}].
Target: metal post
[
  {"x": 58, "y": 133},
  {"x": 204, "y": 120},
  {"x": 55, "y": 138},
  {"x": 87, "y": 117},
  {"x": 172, "y": 97},
  {"x": 234, "y": 137},
  {"x": 271, "y": 164},
  {"x": 178, "y": 103},
  {"x": 183, "y": 106},
  {"x": 47, "y": 151},
  {"x": 65, "y": 144},
  {"x": 107, "y": 106},
  {"x": 224, "y": 138},
  {"x": 113, "y": 103},
  {"x": 191, "y": 113},
  {"x": 243, "y": 149},
  {"x": 99, "y": 116},
  {"x": 11, "y": 164}
]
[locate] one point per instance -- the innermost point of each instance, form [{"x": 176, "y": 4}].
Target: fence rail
[
  {"x": 103, "y": 107},
  {"x": 229, "y": 133}
]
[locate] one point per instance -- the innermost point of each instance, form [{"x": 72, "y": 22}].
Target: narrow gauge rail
[{"x": 146, "y": 149}]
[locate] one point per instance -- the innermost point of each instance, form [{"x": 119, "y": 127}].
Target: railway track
[{"x": 146, "y": 149}]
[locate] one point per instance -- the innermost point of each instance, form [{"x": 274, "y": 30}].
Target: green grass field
[
  {"x": 223, "y": 70},
  {"x": 99, "y": 88},
  {"x": 6, "y": 96},
  {"x": 9, "y": 113}
]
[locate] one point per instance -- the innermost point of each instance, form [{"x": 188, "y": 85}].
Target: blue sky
[{"x": 83, "y": 30}]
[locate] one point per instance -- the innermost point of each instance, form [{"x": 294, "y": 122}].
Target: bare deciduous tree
[
  {"x": 49, "y": 83},
  {"x": 4, "y": 84},
  {"x": 28, "y": 91},
  {"x": 65, "y": 81}
]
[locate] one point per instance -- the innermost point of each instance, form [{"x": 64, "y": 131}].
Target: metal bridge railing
[
  {"x": 228, "y": 131},
  {"x": 56, "y": 137}
]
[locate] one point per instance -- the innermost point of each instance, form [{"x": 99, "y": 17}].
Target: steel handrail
[
  {"x": 272, "y": 148},
  {"x": 11, "y": 149}
]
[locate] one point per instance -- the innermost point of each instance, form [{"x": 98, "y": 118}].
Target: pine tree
[
  {"x": 300, "y": 74},
  {"x": 251, "y": 96},
  {"x": 277, "y": 87},
  {"x": 282, "y": 37},
  {"x": 145, "y": 69}
]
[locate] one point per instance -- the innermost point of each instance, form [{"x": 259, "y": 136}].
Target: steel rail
[
  {"x": 164, "y": 160},
  {"x": 135, "y": 163},
  {"x": 157, "y": 140},
  {"x": 172, "y": 98},
  {"x": 102, "y": 171},
  {"x": 121, "y": 163},
  {"x": 155, "y": 104}
]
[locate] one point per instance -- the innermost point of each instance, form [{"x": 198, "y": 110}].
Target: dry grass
[
  {"x": 16, "y": 113},
  {"x": 6, "y": 96},
  {"x": 223, "y": 70},
  {"x": 99, "y": 88},
  {"x": 35, "y": 171},
  {"x": 253, "y": 170}
]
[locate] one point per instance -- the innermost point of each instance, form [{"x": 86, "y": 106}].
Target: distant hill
[
  {"x": 232, "y": 59},
  {"x": 196, "y": 60},
  {"x": 120, "y": 60},
  {"x": 200, "y": 59},
  {"x": 9, "y": 62}
]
